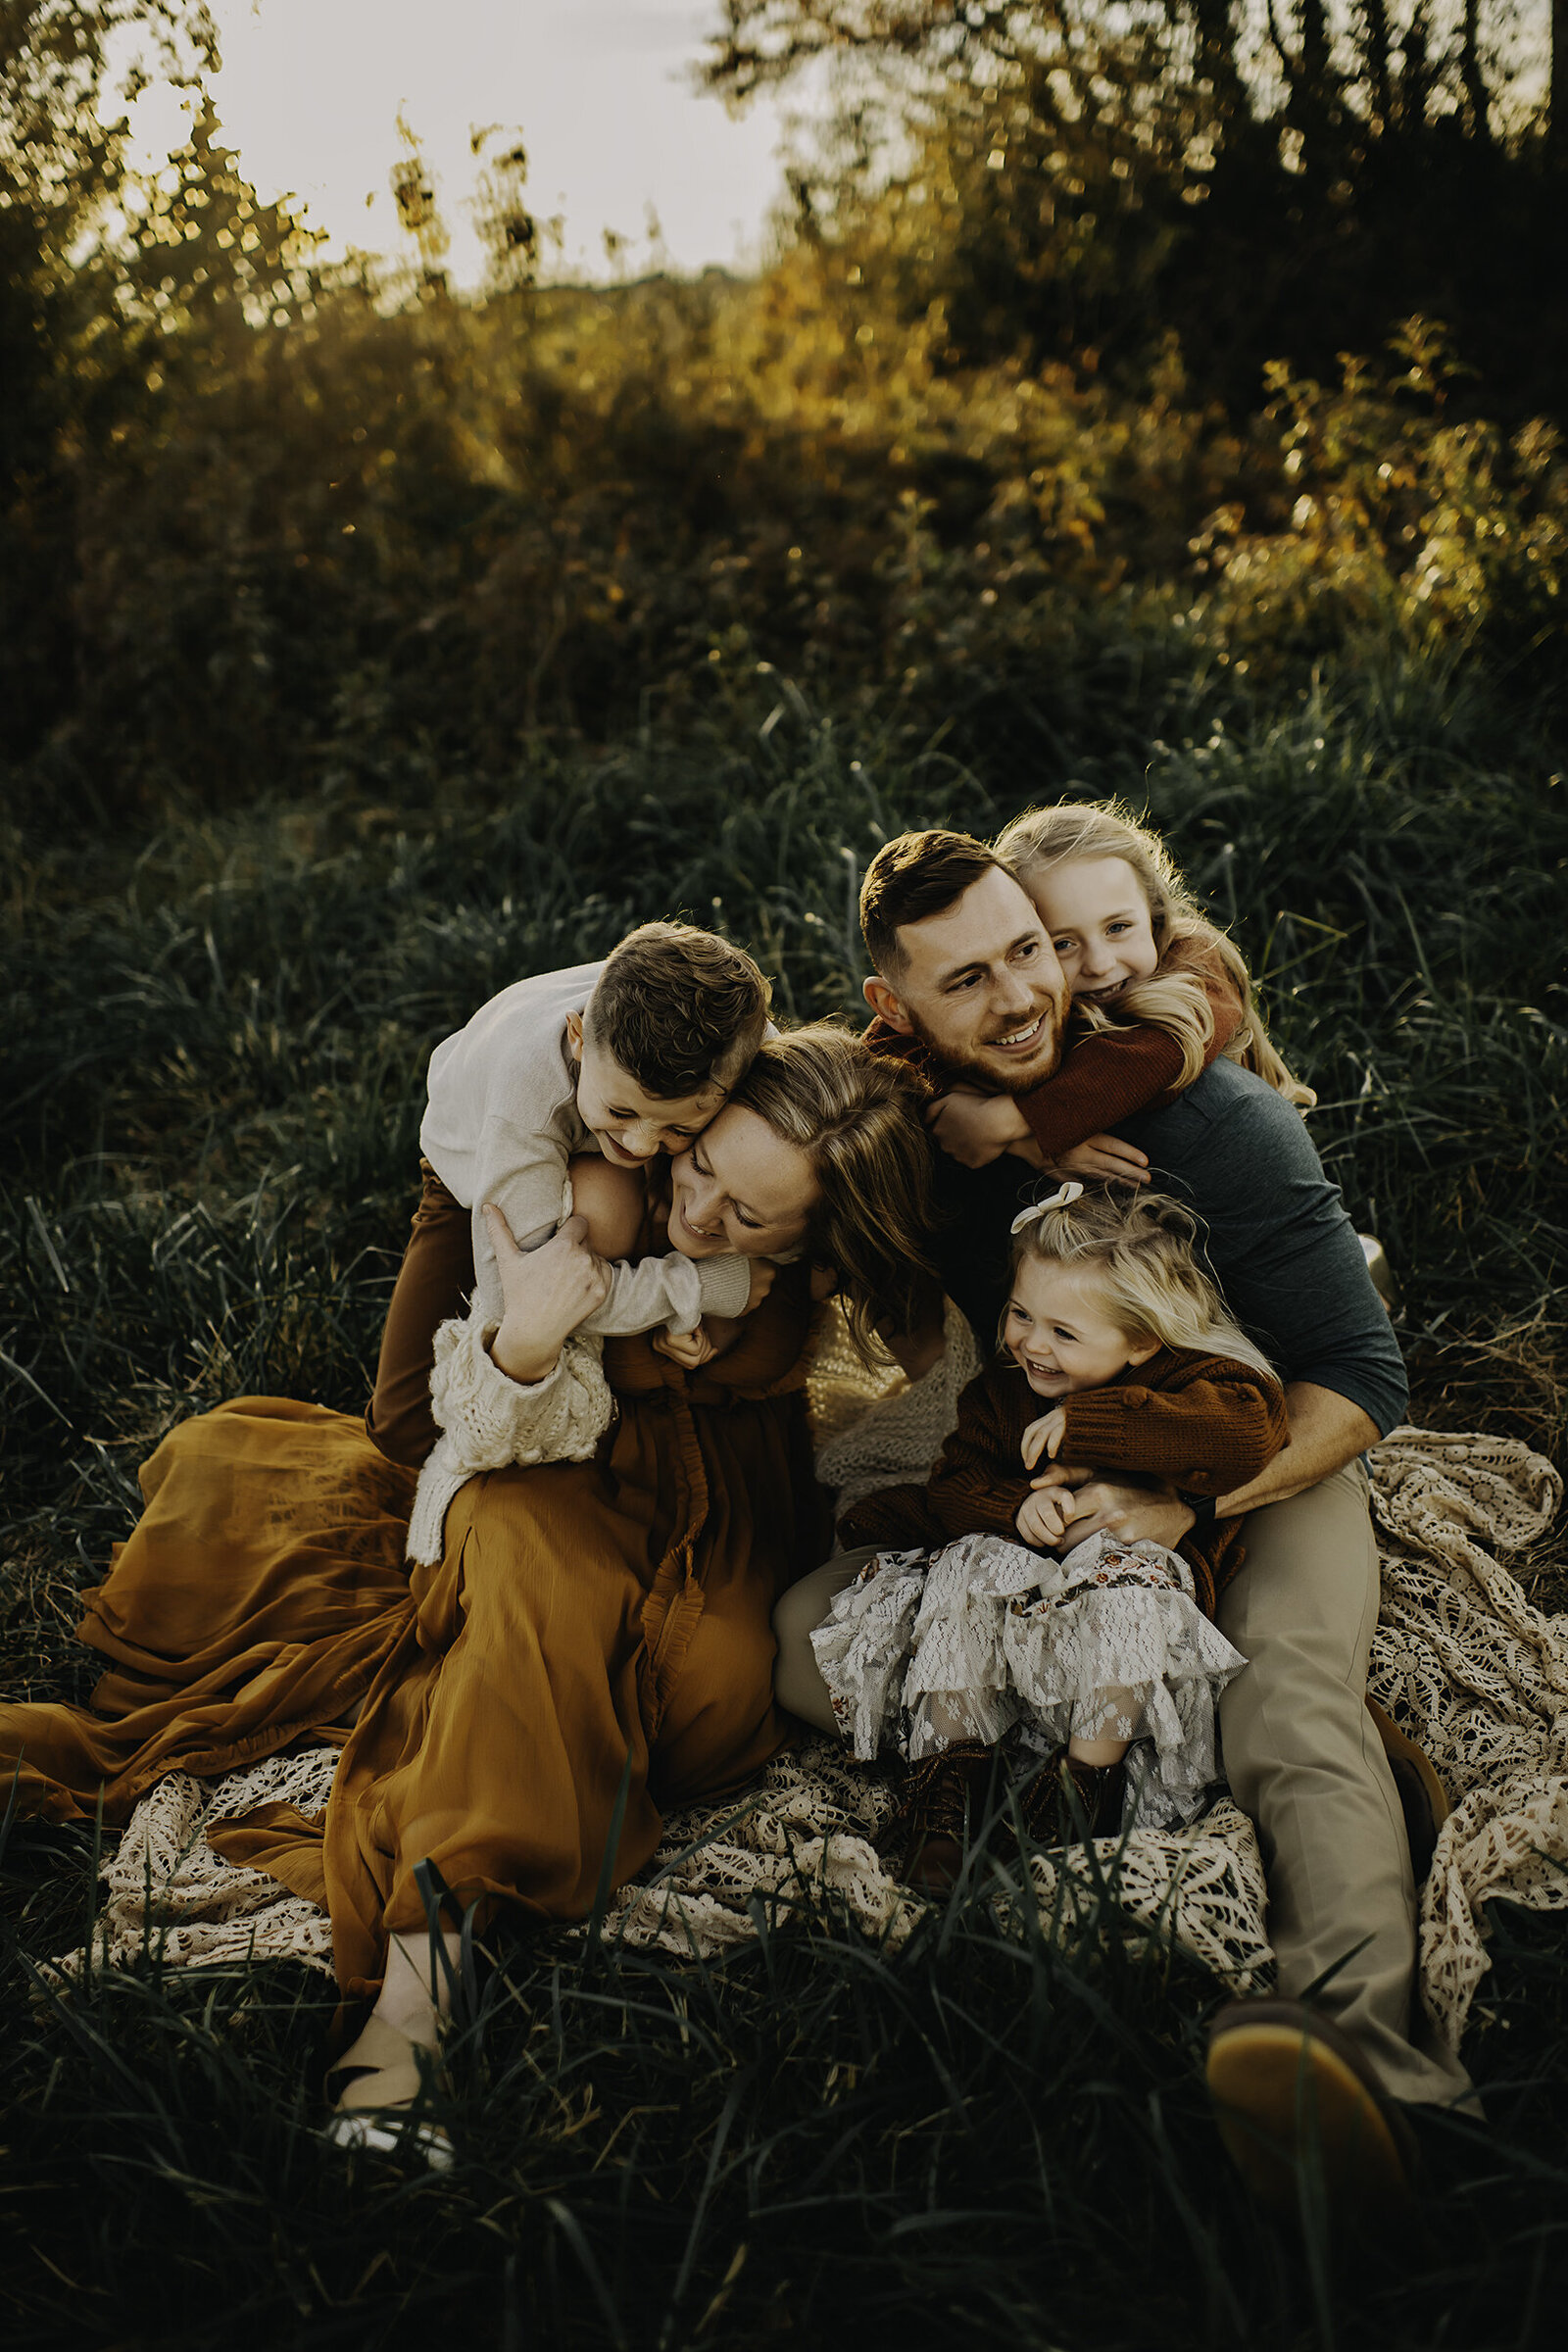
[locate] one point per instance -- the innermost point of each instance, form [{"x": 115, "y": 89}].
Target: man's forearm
[{"x": 1326, "y": 1431}]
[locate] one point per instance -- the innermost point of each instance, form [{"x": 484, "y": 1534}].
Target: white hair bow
[{"x": 1064, "y": 1198}]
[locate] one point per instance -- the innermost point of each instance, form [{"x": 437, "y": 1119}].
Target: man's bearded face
[{"x": 981, "y": 985}]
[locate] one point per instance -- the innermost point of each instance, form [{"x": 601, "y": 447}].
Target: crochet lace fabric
[
  {"x": 167, "y": 1892},
  {"x": 1460, "y": 1659}
]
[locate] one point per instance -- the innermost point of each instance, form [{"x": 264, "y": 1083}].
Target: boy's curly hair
[{"x": 679, "y": 1008}]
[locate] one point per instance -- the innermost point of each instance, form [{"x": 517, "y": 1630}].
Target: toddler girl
[
  {"x": 1157, "y": 991},
  {"x": 1116, "y": 1354}
]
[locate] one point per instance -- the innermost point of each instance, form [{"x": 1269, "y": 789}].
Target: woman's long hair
[
  {"x": 1172, "y": 1001},
  {"x": 857, "y": 1115},
  {"x": 1140, "y": 1249}
]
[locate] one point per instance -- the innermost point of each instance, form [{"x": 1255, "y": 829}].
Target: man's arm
[{"x": 1326, "y": 1431}]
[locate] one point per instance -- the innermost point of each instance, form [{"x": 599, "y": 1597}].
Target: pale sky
[{"x": 600, "y": 90}]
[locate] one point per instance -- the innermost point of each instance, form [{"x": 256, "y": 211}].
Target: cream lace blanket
[{"x": 1461, "y": 1657}]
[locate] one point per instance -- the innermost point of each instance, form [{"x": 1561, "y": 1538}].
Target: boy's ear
[
  {"x": 575, "y": 1035},
  {"x": 886, "y": 1003}
]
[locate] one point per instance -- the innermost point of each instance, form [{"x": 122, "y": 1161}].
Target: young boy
[{"x": 632, "y": 1056}]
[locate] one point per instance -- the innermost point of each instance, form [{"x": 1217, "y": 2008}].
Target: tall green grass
[
  {"x": 214, "y": 1035},
  {"x": 981, "y": 2139}
]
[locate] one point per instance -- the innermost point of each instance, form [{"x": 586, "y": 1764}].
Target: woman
[{"x": 589, "y": 1626}]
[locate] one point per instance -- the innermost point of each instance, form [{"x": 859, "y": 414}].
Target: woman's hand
[
  {"x": 975, "y": 1129},
  {"x": 1044, "y": 1437},
  {"x": 1102, "y": 1158},
  {"x": 545, "y": 1293}
]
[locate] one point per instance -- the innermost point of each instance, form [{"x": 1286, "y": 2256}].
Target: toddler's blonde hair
[
  {"x": 1044, "y": 838},
  {"x": 1140, "y": 1251}
]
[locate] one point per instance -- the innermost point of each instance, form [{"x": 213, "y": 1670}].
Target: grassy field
[{"x": 214, "y": 1028}]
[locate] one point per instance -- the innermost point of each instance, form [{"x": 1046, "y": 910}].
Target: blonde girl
[
  {"x": 1157, "y": 994},
  {"x": 990, "y": 1619}
]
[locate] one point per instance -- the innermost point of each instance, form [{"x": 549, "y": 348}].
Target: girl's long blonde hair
[
  {"x": 857, "y": 1115},
  {"x": 1172, "y": 1001},
  {"x": 1140, "y": 1250}
]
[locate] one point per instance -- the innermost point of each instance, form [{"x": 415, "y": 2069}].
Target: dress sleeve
[
  {"x": 489, "y": 1421},
  {"x": 1215, "y": 1433}
]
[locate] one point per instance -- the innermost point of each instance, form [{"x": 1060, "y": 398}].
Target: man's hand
[
  {"x": 688, "y": 1349},
  {"x": 975, "y": 1129},
  {"x": 544, "y": 1293},
  {"x": 1102, "y": 1158},
  {"x": 1138, "y": 1514},
  {"x": 1042, "y": 1516},
  {"x": 1044, "y": 1436}
]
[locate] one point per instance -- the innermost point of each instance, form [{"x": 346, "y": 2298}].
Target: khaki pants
[
  {"x": 434, "y": 1284},
  {"x": 1303, "y": 1759}
]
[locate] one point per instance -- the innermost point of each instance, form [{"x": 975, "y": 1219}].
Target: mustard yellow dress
[{"x": 582, "y": 1613}]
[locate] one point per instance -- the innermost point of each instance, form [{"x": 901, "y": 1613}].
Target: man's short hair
[
  {"x": 919, "y": 875},
  {"x": 680, "y": 1009}
]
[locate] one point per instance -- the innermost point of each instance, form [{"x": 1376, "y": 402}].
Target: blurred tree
[
  {"x": 509, "y": 229},
  {"x": 62, "y": 171},
  {"x": 1078, "y": 180}
]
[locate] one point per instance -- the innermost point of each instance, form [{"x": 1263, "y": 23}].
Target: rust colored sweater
[
  {"x": 1205, "y": 1424},
  {"x": 1108, "y": 1074}
]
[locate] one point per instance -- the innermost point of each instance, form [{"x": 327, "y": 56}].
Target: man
[{"x": 968, "y": 985}]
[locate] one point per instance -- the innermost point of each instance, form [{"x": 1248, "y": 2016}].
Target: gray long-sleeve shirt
[
  {"x": 1274, "y": 1229},
  {"x": 500, "y": 1126},
  {"x": 1276, "y": 1236}
]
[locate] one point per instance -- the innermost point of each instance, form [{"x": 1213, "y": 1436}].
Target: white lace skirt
[{"x": 963, "y": 1643}]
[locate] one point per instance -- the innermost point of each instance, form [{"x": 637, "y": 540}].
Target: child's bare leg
[
  {"x": 1098, "y": 1753},
  {"x": 614, "y": 1201},
  {"x": 1104, "y": 1735}
]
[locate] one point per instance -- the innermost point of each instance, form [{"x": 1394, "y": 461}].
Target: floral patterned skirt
[{"x": 1106, "y": 1642}]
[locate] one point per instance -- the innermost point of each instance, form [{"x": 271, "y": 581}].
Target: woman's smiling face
[
  {"x": 740, "y": 1187},
  {"x": 1098, "y": 917}
]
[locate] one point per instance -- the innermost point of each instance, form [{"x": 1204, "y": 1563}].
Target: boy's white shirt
[{"x": 500, "y": 1125}]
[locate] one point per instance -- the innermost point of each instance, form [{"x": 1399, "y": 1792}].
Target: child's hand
[
  {"x": 975, "y": 1129},
  {"x": 763, "y": 1276},
  {"x": 688, "y": 1349},
  {"x": 544, "y": 1293},
  {"x": 1102, "y": 1158},
  {"x": 1044, "y": 1436},
  {"x": 1043, "y": 1515}
]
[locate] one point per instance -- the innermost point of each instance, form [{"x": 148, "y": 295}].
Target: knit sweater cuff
[
  {"x": 723, "y": 1285},
  {"x": 489, "y": 1422},
  {"x": 1098, "y": 1422}
]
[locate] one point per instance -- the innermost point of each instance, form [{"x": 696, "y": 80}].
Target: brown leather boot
[
  {"x": 1070, "y": 1803},
  {"x": 926, "y": 1838}
]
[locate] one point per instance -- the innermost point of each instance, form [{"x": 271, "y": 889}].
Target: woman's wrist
[{"x": 522, "y": 1355}]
